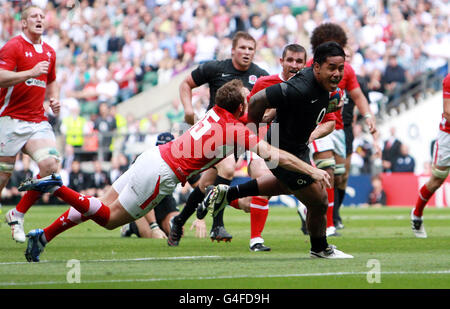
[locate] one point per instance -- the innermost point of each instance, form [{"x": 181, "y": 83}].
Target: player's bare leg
[
  {"x": 13, "y": 218},
  {"x": 325, "y": 160},
  {"x": 44, "y": 153},
  {"x": 438, "y": 176}
]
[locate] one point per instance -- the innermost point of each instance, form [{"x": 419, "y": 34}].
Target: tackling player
[
  {"x": 158, "y": 170},
  {"x": 27, "y": 76},
  {"x": 440, "y": 165},
  {"x": 216, "y": 73}
]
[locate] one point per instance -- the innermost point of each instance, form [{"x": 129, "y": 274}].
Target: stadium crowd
[{"x": 110, "y": 50}]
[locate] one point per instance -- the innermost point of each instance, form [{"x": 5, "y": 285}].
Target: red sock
[
  {"x": 88, "y": 206},
  {"x": 259, "y": 210},
  {"x": 422, "y": 200},
  {"x": 29, "y": 198},
  {"x": 330, "y": 192},
  {"x": 235, "y": 204},
  {"x": 66, "y": 221}
]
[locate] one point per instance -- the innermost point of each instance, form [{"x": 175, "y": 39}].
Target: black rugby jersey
[
  {"x": 301, "y": 104},
  {"x": 218, "y": 72}
]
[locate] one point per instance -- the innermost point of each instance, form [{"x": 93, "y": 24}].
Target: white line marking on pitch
[
  {"x": 127, "y": 260},
  {"x": 441, "y": 272}
]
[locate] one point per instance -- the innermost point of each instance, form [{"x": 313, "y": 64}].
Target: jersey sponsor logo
[
  {"x": 252, "y": 79},
  {"x": 36, "y": 82},
  {"x": 28, "y": 54}
]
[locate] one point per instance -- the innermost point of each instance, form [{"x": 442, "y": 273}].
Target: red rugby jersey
[
  {"x": 25, "y": 100},
  {"x": 207, "y": 142},
  {"x": 445, "y": 125}
]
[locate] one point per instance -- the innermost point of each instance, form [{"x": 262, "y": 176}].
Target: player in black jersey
[
  {"x": 301, "y": 103},
  {"x": 216, "y": 73}
]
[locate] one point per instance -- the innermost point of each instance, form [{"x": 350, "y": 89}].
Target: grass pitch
[{"x": 387, "y": 255}]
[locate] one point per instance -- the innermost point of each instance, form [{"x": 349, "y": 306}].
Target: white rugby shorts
[
  {"x": 441, "y": 150},
  {"x": 15, "y": 133},
  {"x": 335, "y": 141},
  {"x": 145, "y": 183}
]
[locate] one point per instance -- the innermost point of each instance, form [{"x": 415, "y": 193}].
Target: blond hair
[{"x": 24, "y": 14}]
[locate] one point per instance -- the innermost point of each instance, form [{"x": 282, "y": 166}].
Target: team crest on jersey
[{"x": 252, "y": 79}]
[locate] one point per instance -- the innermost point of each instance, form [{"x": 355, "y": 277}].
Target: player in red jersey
[
  {"x": 329, "y": 152},
  {"x": 440, "y": 165},
  {"x": 292, "y": 60},
  {"x": 157, "y": 171},
  {"x": 27, "y": 76}
]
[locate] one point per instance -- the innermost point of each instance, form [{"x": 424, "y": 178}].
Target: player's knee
[
  {"x": 339, "y": 170},
  {"x": 47, "y": 159},
  {"x": 244, "y": 204},
  {"x": 439, "y": 174},
  {"x": 48, "y": 166},
  {"x": 6, "y": 168},
  {"x": 324, "y": 164}
]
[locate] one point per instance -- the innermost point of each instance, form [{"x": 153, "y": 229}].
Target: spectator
[
  {"x": 176, "y": 113},
  {"x": 107, "y": 90},
  {"x": 105, "y": 125},
  {"x": 124, "y": 75},
  {"x": 74, "y": 127},
  {"x": 377, "y": 197},
  {"x": 405, "y": 162},
  {"x": 394, "y": 78},
  {"x": 78, "y": 180},
  {"x": 98, "y": 181},
  {"x": 391, "y": 151}
]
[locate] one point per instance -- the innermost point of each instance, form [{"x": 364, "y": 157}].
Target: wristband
[
  {"x": 154, "y": 225},
  {"x": 367, "y": 116}
]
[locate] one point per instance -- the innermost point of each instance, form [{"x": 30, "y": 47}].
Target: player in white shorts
[
  {"x": 27, "y": 77},
  {"x": 157, "y": 171},
  {"x": 440, "y": 166}
]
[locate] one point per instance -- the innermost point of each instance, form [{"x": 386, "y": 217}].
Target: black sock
[
  {"x": 134, "y": 229},
  {"x": 192, "y": 202},
  {"x": 339, "y": 195},
  {"x": 249, "y": 188},
  {"x": 218, "y": 219},
  {"x": 318, "y": 243}
]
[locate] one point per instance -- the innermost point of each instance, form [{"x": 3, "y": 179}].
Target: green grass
[{"x": 109, "y": 261}]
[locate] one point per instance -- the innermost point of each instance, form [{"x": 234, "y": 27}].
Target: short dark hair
[
  {"x": 229, "y": 96},
  {"x": 164, "y": 138},
  {"x": 328, "y": 32},
  {"x": 242, "y": 35},
  {"x": 327, "y": 49},
  {"x": 295, "y": 48}
]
